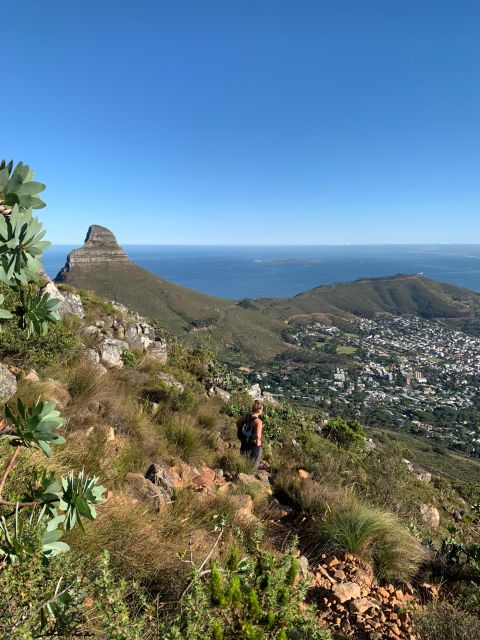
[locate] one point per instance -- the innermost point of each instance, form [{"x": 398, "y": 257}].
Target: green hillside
[
  {"x": 250, "y": 331},
  {"x": 400, "y": 295},
  {"x": 186, "y": 313}
]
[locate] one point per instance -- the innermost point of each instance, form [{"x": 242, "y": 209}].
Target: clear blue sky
[{"x": 258, "y": 122}]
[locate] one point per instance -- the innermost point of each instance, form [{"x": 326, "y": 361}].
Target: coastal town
[{"x": 400, "y": 372}]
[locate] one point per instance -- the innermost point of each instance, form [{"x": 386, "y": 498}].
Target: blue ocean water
[{"x": 236, "y": 272}]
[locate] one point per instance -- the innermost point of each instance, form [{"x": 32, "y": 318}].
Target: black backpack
[{"x": 245, "y": 431}]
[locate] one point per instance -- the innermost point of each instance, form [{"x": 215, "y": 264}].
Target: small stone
[
  {"x": 303, "y": 474},
  {"x": 8, "y": 384},
  {"x": 32, "y": 375}
]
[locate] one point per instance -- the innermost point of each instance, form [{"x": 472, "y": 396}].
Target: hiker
[{"x": 249, "y": 430}]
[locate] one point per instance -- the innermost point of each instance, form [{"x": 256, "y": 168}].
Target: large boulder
[
  {"x": 160, "y": 477},
  {"x": 430, "y": 515},
  {"x": 154, "y": 496},
  {"x": 8, "y": 384},
  {"x": 169, "y": 381},
  {"x": 255, "y": 392},
  {"x": 111, "y": 351},
  {"x": 159, "y": 351},
  {"x": 70, "y": 302},
  {"x": 225, "y": 396},
  {"x": 140, "y": 336}
]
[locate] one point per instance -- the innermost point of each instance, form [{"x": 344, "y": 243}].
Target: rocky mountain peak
[{"x": 101, "y": 247}]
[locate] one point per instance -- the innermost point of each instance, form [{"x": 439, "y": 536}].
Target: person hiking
[{"x": 249, "y": 429}]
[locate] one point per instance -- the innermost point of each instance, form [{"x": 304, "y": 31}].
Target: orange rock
[{"x": 303, "y": 474}]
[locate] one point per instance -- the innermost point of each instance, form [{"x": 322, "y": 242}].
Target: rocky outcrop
[
  {"x": 70, "y": 302},
  {"x": 100, "y": 247}
]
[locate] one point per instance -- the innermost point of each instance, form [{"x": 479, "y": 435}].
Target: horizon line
[{"x": 332, "y": 244}]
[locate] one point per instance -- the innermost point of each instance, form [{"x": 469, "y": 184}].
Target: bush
[
  {"x": 66, "y": 597},
  {"x": 345, "y": 433},
  {"x": 260, "y": 600},
  {"x": 373, "y": 535},
  {"x": 39, "y": 351},
  {"x": 130, "y": 359}
]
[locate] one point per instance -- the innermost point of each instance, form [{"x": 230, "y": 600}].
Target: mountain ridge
[{"x": 253, "y": 328}]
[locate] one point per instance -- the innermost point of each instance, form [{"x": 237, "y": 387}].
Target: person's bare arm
[{"x": 258, "y": 432}]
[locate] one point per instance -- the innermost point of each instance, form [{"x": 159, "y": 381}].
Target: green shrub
[
  {"x": 345, "y": 433},
  {"x": 257, "y": 600},
  {"x": 60, "y": 344},
  {"x": 130, "y": 359},
  {"x": 371, "y": 534},
  {"x": 66, "y": 597}
]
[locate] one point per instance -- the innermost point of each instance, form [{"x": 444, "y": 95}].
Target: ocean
[{"x": 236, "y": 272}]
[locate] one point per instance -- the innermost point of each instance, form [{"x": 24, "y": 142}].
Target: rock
[
  {"x": 110, "y": 434},
  {"x": 120, "y": 308},
  {"x": 182, "y": 474},
  {"x": 424, "y": 476},
  {"x": 243, "y": 507},
  {"x": 303, "y": 566},
  {"x": 252, "y": 481},
  {"x": 100, "y": 247},
  {"x": 32, "y": 376},
  {"x": 268, "y": 397},
  {"x": 91, "y": 355},
  {"x": 204, "y": 482},
  {"x": 70, "y": 302},
  {"x": 430, "y": 515},
  {"x": 346, "y": 591},
  {"x": 219, "y": 393},
  {"x": 159, "y": 476},
  {"x": 169, "y": 381},
  {"x": 119, "y": 332},
  {"x": 255, "y": 392},
  {"x": 263, "y": 476},
  {"x": 140, "y": 336},
  {"x": 361, "y": 605},
  {"x": 8, "y": 384},
  {"x": 111, "y": 352},
  {"x": 147, "y": 492},
  {"x": 303, "y": 474},
  {"x": 92, "y": 330},
  {"x": 159, "y": 351}
]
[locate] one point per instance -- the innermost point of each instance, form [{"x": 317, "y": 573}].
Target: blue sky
[{"x": 252, "y": 122}]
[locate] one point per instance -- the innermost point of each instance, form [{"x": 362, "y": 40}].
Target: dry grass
[
  {"x": 444, "y": 621},
  {"x": 150, "y": 548},
  {"x": 232, "y": 462},
  {"x": 184, "y": 439},
  {"x": 371, "y": 534}
]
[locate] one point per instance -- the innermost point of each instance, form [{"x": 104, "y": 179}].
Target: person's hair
[{"x": 257, "y": 406}]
